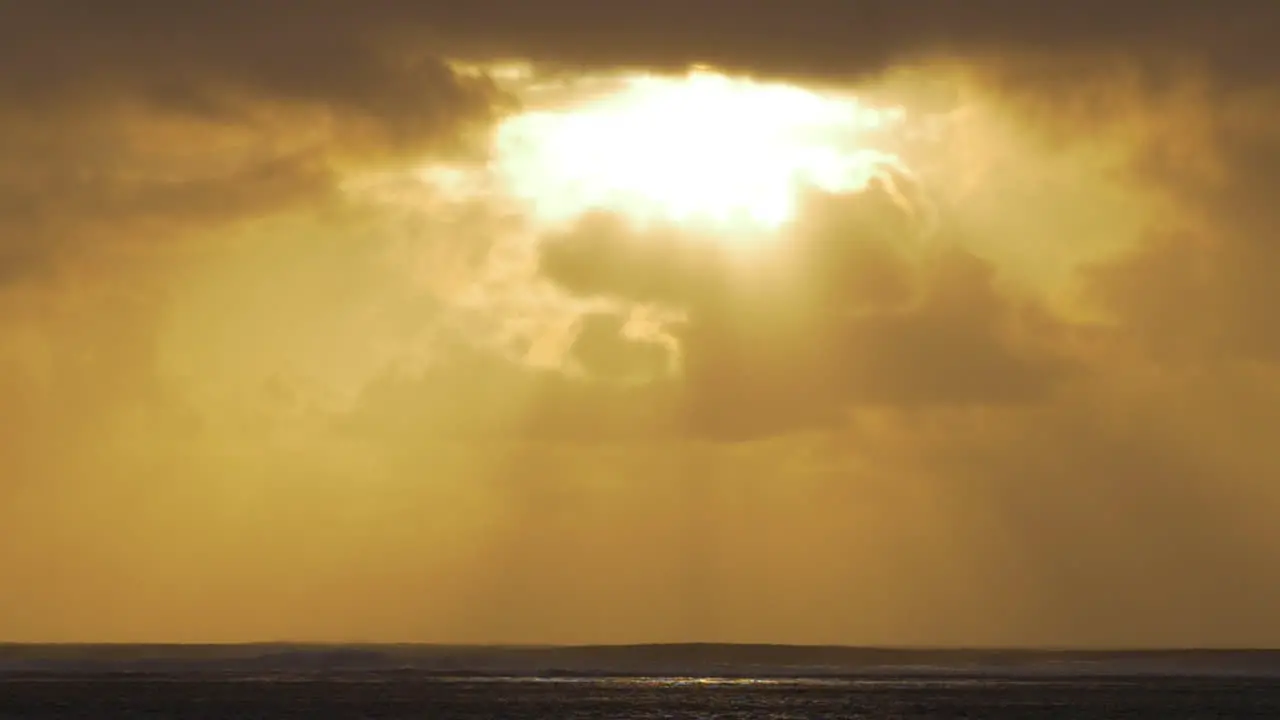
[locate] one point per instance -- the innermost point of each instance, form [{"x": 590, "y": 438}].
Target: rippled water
[{"x": 649, "y": 698}]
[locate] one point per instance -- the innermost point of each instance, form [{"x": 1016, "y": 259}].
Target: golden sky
[{"x": 561, "y": 321}]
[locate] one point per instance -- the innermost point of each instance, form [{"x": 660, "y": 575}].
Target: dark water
[{"x": 441, "y": 699}]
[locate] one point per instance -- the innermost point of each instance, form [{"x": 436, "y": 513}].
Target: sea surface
[
  {"x": 639, "y": 698},
  {"x": 665, "y": 682}
]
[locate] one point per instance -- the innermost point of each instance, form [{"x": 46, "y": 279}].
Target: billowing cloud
[{"x": 835, "y": 315}]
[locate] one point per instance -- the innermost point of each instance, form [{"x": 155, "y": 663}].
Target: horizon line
[{"x": 631, "y": 645}]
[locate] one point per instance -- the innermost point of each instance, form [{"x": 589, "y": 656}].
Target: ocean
[
  {"x": 415, "y": 683},
  {"x": 639, "y": 699}
]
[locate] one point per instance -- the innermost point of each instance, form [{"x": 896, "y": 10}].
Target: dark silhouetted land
[{"x": 710, "y": 660}]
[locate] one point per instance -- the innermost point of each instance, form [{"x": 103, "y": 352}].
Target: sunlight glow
[{"x": 704, "y": 149}]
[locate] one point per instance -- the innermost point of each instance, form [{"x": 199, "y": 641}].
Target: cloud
[
  {"x": 155, "y": 275},
  {"x": 842, "y": 310},
  {"x": 845, "y": 310},
  {"x": 139, "y": 121},
  {"x": 1198, "y": 291},
  {"x": 1006, "y": 464},
  {"x": 144, "y": 149},
  {"x": 1031, "y": 404},
  {"x": 605, "y": 350},
  {"x": 818, "y": 38}
]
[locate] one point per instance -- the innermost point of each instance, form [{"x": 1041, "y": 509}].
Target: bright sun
[{"x": 702, "y": 149}]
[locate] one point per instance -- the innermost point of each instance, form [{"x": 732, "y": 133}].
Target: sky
[{"x": 875, "y": 322}]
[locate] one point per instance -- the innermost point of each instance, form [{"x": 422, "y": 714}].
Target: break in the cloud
[{"x": 234, "y": 389}]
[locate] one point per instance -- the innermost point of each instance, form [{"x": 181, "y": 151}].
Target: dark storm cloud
[
  {"x": 208, "y": 57},
  {"x": 839, "y": 38},
  {"x": 123, "y": 121},
  {"x": 374, "y": 54}
]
